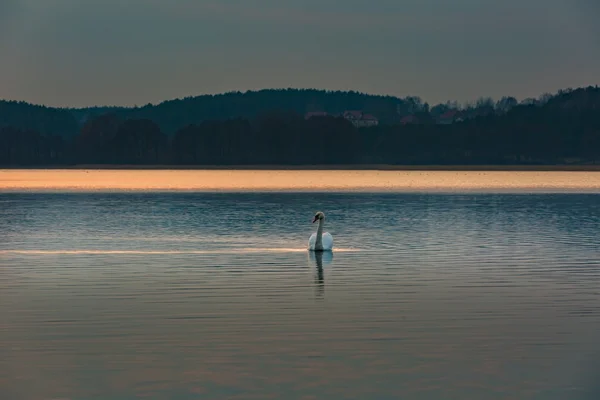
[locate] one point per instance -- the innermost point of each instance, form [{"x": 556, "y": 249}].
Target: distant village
[
  {"x": 358, "y": 118},
  {"x": 446, "y": 118},
  {"x": 361, "y": 119}
]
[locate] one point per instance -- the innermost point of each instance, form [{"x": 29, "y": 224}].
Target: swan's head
[{"x": 318, "y": 216}]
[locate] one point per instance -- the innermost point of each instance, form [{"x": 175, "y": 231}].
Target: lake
[{"x": 197, "y": 285}]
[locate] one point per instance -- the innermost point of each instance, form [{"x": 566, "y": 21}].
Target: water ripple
[{"x": 489, "y": 296}]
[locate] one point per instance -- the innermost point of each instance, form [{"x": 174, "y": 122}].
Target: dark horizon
[
  {"x": 277, "y": 128},
  {"x": 459, "y": 104}
]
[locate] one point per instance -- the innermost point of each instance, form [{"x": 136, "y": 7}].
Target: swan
[{"x": 320, "y": 241}]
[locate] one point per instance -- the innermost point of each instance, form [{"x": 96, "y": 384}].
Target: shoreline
[{"x": 345, "y": 167}]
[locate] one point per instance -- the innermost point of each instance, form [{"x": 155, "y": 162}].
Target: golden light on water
[{"x": 291, "y": 180}]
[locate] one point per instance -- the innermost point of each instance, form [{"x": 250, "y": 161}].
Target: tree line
[
  {"x": 563, "y": 128},
  {"x": 173, "y": 115}
]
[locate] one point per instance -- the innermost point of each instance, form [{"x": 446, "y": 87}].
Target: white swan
[{"x": 320, "y": 241}]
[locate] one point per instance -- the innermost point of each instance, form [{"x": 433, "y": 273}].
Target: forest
[{"x": 271, "y": 127}]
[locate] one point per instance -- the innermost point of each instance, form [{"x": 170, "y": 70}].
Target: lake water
[{"x": 197, "y": 295}]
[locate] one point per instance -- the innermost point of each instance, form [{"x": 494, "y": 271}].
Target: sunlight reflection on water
[{"x": 290, "y": 180}]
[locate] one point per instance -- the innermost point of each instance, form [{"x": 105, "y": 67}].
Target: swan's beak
[{"x": 314, "y": 219}]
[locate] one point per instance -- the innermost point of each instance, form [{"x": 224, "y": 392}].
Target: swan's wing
[
  {"x": 311, "y": 241},
  {"x": 327, "y": 241}
]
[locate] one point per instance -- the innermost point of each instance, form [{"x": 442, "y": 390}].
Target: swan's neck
[{"x": 319, "y": 241}]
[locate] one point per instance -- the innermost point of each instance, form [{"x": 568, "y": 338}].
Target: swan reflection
[{"x": 320, "y": 259}]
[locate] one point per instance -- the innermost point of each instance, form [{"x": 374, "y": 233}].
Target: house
[
  {"x": 360, "y": 119},
  {"x": 369, "y": 120},
  {"x": 449, "y": 117}
]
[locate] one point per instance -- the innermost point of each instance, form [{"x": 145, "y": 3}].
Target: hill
[
  {"x": 44, "y": 120},
  {"x": 272, "y": 128},
  {"x": 174, "y": 114}
]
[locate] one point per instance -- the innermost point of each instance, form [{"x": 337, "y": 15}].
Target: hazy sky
[{"x": 123, "y": 52}]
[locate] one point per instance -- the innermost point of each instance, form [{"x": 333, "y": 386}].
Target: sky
[{"x": 115, "y": 52}]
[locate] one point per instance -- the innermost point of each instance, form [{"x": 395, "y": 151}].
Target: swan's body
[
  {"x": 326, "y": 244},
  {"x": 320, "y": 241}
]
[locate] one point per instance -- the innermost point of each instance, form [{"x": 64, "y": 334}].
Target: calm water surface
[{"x": 212, "y": 295}]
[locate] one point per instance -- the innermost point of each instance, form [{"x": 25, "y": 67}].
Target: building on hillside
[
  {"x": 449, "y": 117},
  {"x": 360, "y": 119},
  {"x": 369, "y": 120}
]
